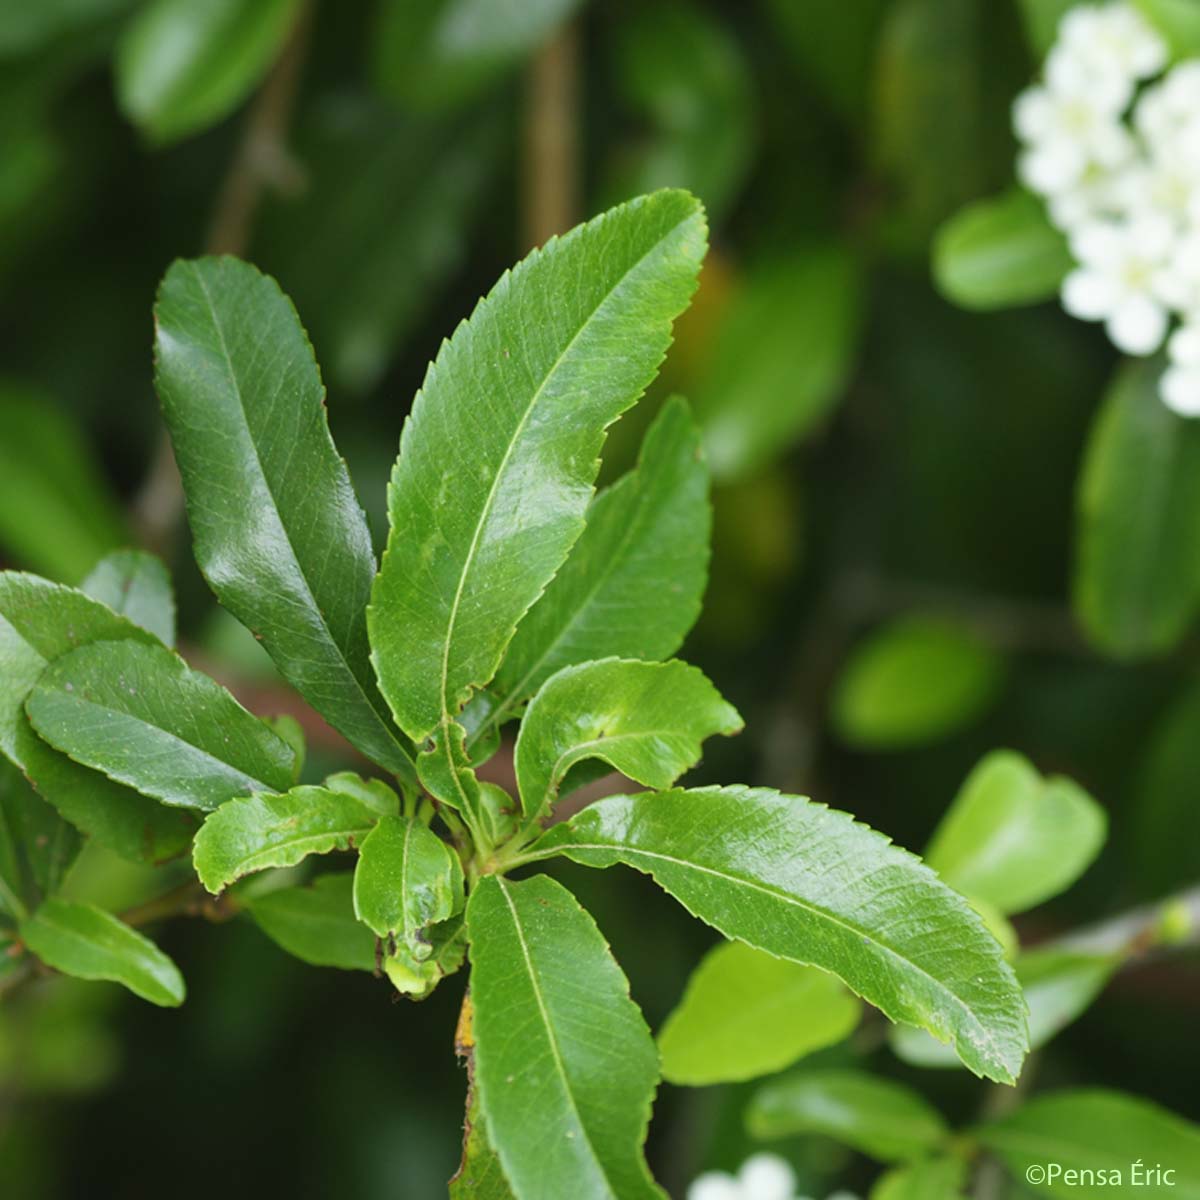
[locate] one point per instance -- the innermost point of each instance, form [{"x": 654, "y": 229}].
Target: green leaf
[
  {"x": 89, "y": 943},
  {"x": 1014, "y": 839},
  {"x": 1000, "y": 252},
  {"x": 140, "y": 715},
  {"x": 881, "y": 1118},
  {"x": 316, "y": 923},
  {"x": 480, "y": 1175},
  {"x": 292, "y": 558},
  {"x": 807, "y": 883},
  {"x": 684, "y": 79},
  {"x": 746, "y": 1013},
  {"x": 1179, "y": 23},
  {"x": 646, "y": 720},
  {"x": 913, "y": 681},
  {"x": 29, "y": 27},
  {"x": 620, "y": 593},
  {"x": 440, "y": 53},
  {"x": 1059, "y": 987},
  {"x": 183, "y": 66},
  {"x": 407, "y": 879},
  {"x": 40, "y": 622},
  {"x": 415, "y": 970},
  {"x": 1137, "y": 570},
  {"x": 781, "y": 358},
  {"x": 57, "y": 514},
  {"x": 1041, "y": 19},
  {"x": 564, "y": 1065},
  {"x": 557, "y": 351},
  {"x": 932, "y": 1179},
  {"x": 1096, "y": 1130},
  {"x": 137, "y": 586},
  {"x": 256, "y": 832},
  {"x": 37, "y": 846}
]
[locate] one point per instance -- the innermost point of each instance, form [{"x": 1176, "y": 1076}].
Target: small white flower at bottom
[
  {"x": 761, "y": 1177},
  {"x": 1180, "y": 384}
]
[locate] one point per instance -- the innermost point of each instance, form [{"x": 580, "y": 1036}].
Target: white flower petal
[
  {"x": 715, "y": 1185},
  {"x": 1138, "y": 325},
  {"x": 1184, "y": 346},
  {"x": 1052, "y": 166},
  {"x": 1033, "y": 116},
  {"x": 1099, "y": 244},
  {"x": 1180, "y": 390},
  {"x": 1089, "y": 295},
  {"x": 767, "y": 1177}
]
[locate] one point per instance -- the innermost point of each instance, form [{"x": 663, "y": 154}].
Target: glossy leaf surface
[
  {"x": 255, "y": 832},
  {"x": 316, "y": 923},
  {"x": 39, "y": 623},
  {"x": 646, "y": 720},
  {"x": 140, "y": 715},
  {"x": 138, "y": 587},
  {"x": 807, "y": 883},
  {"x": 482, "y": 520},
  {"x": 999, "y": 252},
  {"x": 292, "y": 558},
  {"x": 1014, "y": 839},
  {"x": 632, "y": 583},
  {"x": 1137, "y": 572},
  {"x": 84, "y": 941},
  {"x": 1095, "y": 1129},
  {"x": 407, "y": 879},
  {"x": 183, "y": 66},
  {"x": 480, "y": 1175},
  {"x": 883, "y": 1119},
  {"x": 746, "y": 1013},
  {"x": 564, "y": 1065}
]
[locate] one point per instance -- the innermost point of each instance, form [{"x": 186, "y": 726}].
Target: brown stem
[
  {"x": 551, "y": 174},
  {"x": 261, "y": 160}
]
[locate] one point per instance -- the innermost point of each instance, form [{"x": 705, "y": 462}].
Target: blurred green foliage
[{"x": 881, "y": 455}]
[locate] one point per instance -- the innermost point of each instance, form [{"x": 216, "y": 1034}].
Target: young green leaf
[
  {"x": 1137, "y": 567},
  {"x": 292, "y": 557},
  {"x": 407, "y": 879},
  {"x": 415, "y": 970},
  {"x": 89, "y": 943},
  {"x": 57, "y": 514},
  {"x": 746, "y": 1013},
  {"x": 40, "y": 622},
  {"x": 498, "y": 457},
  {"x": 480, "y": 1175},
  {"x": 1093, "y": 1129},
  {"x": 37, "y": 846},
  {"x": 646, "y": 720},
  {"x": 316, "y": 923},
  {"x": 1000, "y": 252},
  {"x": 183, "y": 66},
  {"x": 564, "y": 1065},
  {"x": 255, "y": 832},
  {"x": 140, "y": 715},
  {"x": 1014, "y": 839},
  {"x": 137, "y": 586},
  {"x": 808, "y": 883},
  {"x": 913, "y": 681},
  {"x": 881, "y": 1118},
  {"x": 930, "y": 1179},
  {"x": 632, "y": 583},
  {"x": 781, "y": 359},
  {"x": 1059, "y": 987}
]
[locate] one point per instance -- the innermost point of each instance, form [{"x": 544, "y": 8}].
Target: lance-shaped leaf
[
  {"x": 278, "y": 530},
  {"x": 39, "y": 623},
  {"x": 253, "y": 833},
  {"x": 480, "y": 1175},
  {"x": 647, "y": 720},
  {"x": 930, "y": 1179},
  {"x": 140, "y": 715},
  {"x": 407, "y": 879},
  {"x": 137, "y": 586},
  {"x": 632, "y": 584},
  {"x": 808, "y": 883},
  {"x": 316, "y": 923},
  {"x": 37, "y": 846},
  {"x": 881, "y": 1118},
  {"x": 89, "y": 943},
  {"x": 1094, "y": 1129},
  {"x": 746, "y": 1013},
  {"x": 499, "y": 455},
  {"x": 1014, "y": 839},
  {"x": 564, "y": 1065}
]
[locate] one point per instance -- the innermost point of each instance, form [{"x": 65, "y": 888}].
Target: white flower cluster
[
  {"x": 762, "y": 1177},
  {"x": 1113, "y": 144}
]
